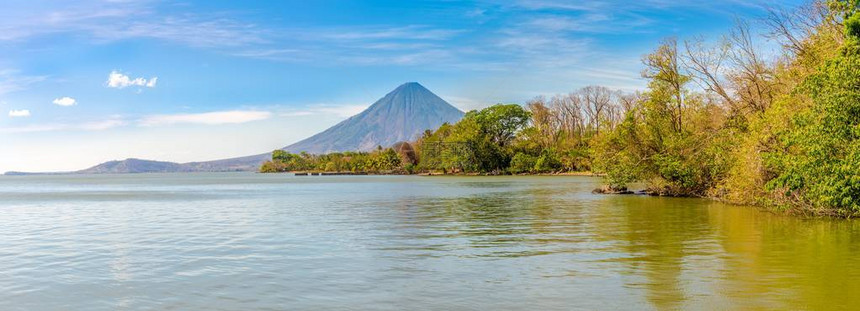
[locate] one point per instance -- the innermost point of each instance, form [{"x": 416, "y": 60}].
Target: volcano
[{"x": 402, "y": 115}]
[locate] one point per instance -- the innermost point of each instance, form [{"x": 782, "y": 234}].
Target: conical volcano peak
[
  {"x": 411, "y": 87},
  {"x": 401, "y": 115},
  {"x": 410, "y": 94}
]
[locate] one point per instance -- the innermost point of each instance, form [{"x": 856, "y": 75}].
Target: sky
[{"x": 83, "y": 82}]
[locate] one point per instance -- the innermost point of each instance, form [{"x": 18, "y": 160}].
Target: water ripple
[{"x": 272, "y": 242}]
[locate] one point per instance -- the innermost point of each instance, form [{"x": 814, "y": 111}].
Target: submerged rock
[{"x": 611, "y": 190}]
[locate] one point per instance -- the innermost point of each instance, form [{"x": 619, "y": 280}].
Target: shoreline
[
  {"x": 792, "y": 212},
  {"x": 319, "y": 173}
]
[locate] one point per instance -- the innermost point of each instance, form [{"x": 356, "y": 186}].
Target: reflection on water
[{"x": 273, "y": 242}]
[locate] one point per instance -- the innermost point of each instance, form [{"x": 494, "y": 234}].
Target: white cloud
[
  {"x": 300, "y": 113},
  {"x": 411, "y": 32},
  {"x": 111, "y": 122},
  {"x": 128, "y": 20},
  {"x": 467, "y": 103},
  {"x": 65, "y": 101},
  {"x": 725, "y": 7},
  {"x": 118, "y": 80},
  {"x": 208, "y": 118},
  {"x": 19, "y": 113},
  {"x": 12, "y": 80},
  {"x": 343, "y": 111},
  {"x": 102, "y": 125},
  {"x": 478, "y": 12}
]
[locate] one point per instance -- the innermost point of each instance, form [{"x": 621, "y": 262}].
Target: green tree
[
  {"x": 501, "y": 122},
  {"x": 549, "y": 161},
  {"x": 522, "y": 163},
  {"x": 480, "y": 142},
  {"x": 821, "y": 163}
]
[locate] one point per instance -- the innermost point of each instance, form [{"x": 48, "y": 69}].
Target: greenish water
[{"x": 276, "y": 242}]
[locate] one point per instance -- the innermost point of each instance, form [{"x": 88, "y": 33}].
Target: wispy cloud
[
  {"x": 439, "y": 57},
  {"x": 615, "y": 78},
  {"x": 19, "y": 113},
  {"x": 467, "y": 103},
  {"x": 196, "y": 31},
  {"x": 12, "y": 81},
  {"x": 642, "y": 5},
  {"x": 543, "y": 51},
  {"x": 545, "y": 37},
  {"x": 122, "y": 20},
  {"x": 273, "y": 53},
  {"x": 30, "y": 129},
  {"x": 114, "y": 121},
  {"x": 100, "y": 21},
  {"x": 65, "y": 101},
  {"x": 298, "y": 113},
  {"x": 477, "y": 12},
  {"x": 103, "y": 125},
  {"x": 342, "y": 111},
  {"x": 411, "y": 32},
  {"x": 561, "y": 5},
  {"x": 207, "y": 118},
  {"x": 119, "y": 81},
  {"x": 625, "y": 22},
  {"x": 97, "y": 125},
  {"x": 359, "y": 45}
]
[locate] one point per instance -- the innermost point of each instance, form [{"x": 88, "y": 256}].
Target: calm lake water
[{"x": 242, "y": 241}]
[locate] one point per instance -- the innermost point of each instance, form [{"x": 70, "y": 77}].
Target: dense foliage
[
  {"x": 819, "y": 165},
  {"x": 718, "y": 120},
  {"x": 379, "y": 161},
  {"x": 480, "y": 142}
]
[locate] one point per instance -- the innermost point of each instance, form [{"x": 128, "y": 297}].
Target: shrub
[{"x": 522, "y": 163}]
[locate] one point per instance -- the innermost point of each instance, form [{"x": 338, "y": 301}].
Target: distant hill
[
  {"x": 131, "y": 166},
  {"x": 135, "y": 166},
  {"x": 402, "y": 115}
]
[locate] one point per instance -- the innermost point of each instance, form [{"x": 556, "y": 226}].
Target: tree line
[
  {"x": 379, "y": 161},
  {"x": 724, "y": 119}
]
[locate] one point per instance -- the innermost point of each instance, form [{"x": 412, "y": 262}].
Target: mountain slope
[
  {"x": 132, "y": 166},
  {"x": 402, "y": 115},
  {"x": 246, "y": 163},
  {"x": 135, "y": 166}
]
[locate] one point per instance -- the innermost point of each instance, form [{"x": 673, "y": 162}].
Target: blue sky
[{"x": 89, "y": 81}]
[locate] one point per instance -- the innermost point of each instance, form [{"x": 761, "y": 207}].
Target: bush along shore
[{"x": 720, "y": 118}]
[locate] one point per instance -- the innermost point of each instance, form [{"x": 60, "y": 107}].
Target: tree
[
  {"x": 543, "y": 121},
  {"x": 667, "y": 136},
  {"x": 385, "y": 160},
  {"x": 663, "y": 67},
  {"x": 480, "y": 142},
  {"x": 569, "y": 111},
  {"x": 821, "y": 167},
  {"x": 406, "y": 152},
  {"x": 548, "y": 161},
  {"x": 500, "y": 122},
  {"x": 280, "y": 155},
  {"x": 598, "y": 101},
  {"x": 522, "y": 163}
]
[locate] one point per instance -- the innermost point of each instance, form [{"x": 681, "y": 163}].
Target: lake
[{"x": 243, "y": 241}]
